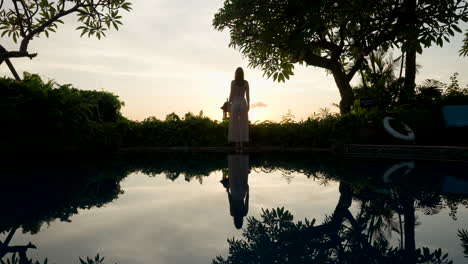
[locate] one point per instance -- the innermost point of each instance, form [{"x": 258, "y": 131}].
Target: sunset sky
[{"x": 168, "y": 58}]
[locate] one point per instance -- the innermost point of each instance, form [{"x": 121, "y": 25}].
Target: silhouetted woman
[
  {"x": 239, "y": 101},
  {"x": 238, "y": 188}
]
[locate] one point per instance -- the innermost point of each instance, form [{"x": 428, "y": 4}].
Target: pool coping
[
  {"x": 446, "y": 153},
  {"x": 224, "y": 149}
]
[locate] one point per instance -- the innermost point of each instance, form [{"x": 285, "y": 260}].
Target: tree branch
[
  {"x": 9, "y": 237},
  {"x": 318, "y": 61},
  {"x": 27, "y": 14},
  {"x": 20, "y": 19},
  {"x": 25, "y": 41},
  {"x": 332, "y": 47},
  {"x": 357, "y": 65},
  {"x": 4, "y": 54},
  {"x": 12, "y": 69}
]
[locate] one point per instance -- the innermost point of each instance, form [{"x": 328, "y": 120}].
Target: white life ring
[
  {"x": 387, "y": 176},
  {"x": 393, "y": 132}
]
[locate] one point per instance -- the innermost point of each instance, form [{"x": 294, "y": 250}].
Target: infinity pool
[{"x": 183, "y": 208}]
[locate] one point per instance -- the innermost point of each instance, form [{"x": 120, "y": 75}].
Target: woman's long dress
[
  {"x": 238, "y": 114},
  {"x": 238, "y": 189}
]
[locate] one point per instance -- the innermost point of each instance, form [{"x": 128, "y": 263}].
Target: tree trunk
[
  {"x": 12, "y": 69},
  {"x": 410, "y": 73},
  {"x": 411, "y": 44},
  {"x": 4, "y": 58},
  {"x": 346, "y": 92},
  {"x": 410, "y": 220}
]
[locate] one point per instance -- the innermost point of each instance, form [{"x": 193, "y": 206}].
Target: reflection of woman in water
[
  {"x": 238, "y": 187},
  {"x": 238, "y": 109}
]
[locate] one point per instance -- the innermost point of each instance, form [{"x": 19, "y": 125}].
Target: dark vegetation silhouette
[
  {"x": 22, "y": 21},
  {"x": 42, "y": 192},
  {"x": 40, "y": 116},
  {"x": 44, "y": 115},
  {"x": 338, "y": 36}
]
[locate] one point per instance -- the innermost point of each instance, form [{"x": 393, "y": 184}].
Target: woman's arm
[
  {"x": 247, "y": 201},
  {"x": 247, "y": 94},
  {"x": 232, "y": 90}
]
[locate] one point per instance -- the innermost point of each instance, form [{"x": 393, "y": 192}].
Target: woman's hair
[
  {"x": 238, "y": 221},
  {"x": 239, "y": 76}
]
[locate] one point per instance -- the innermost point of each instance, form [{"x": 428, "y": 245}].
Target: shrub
[{"x": 45, "y": 115}]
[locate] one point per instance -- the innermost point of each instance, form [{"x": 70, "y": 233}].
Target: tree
[
  {"x": 335, "y": 35},
  {"x": 425, "y": 22},
  {"x": 378, "y": 79},
  {"x": 23, "y": 20}
]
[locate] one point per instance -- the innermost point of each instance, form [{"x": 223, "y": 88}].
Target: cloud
[{"x": 258, "y": 105}]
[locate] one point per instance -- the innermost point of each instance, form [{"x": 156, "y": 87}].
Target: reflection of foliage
[
  {"x": 382, "y": 219},
  {"x": 436, "y": 257},
  {"x": 277, "y": 239},
  {"x": 288, "y": 176},
  {"x": 429, "y": 203},
  {"x": 39, "y": 195},
  {"x": 265, "y": 241},
  {"x": 452, "y": 201},
  {"x": 96, "y": 260},
  {"x": 16, "y": 260},
  {"x": 463, "y": 235}
]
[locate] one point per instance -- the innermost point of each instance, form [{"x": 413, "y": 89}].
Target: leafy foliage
[
  {"x": 339, "y": 36},
  {"x": 464, "y": 49},
  {"x": 276, "y": 34},
  {"x": 423, "y": 112},
  {"x": 24, "y": 20},
  {"x": 47, "y": 116},
  {"x": 54, "y": 117}
]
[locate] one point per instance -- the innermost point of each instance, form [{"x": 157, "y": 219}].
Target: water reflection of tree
[
  {"x": 383, "y": 218},
  {"x": 463, "y": 235},
  {"x": 19, "y": 251},
  {"x": 341, "y": 238},
  {"x": 36, "y": 195}
]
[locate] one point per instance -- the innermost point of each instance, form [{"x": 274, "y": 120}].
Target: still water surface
[{"x": 180, "y": 210}]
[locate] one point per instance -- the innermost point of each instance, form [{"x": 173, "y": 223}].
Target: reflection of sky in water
[{"x": 160, "y": 221}]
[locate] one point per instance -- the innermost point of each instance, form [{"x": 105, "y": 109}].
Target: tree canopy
[
  {"x": 335, "y": 35},
  {"x": 23, "y": 20}
]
